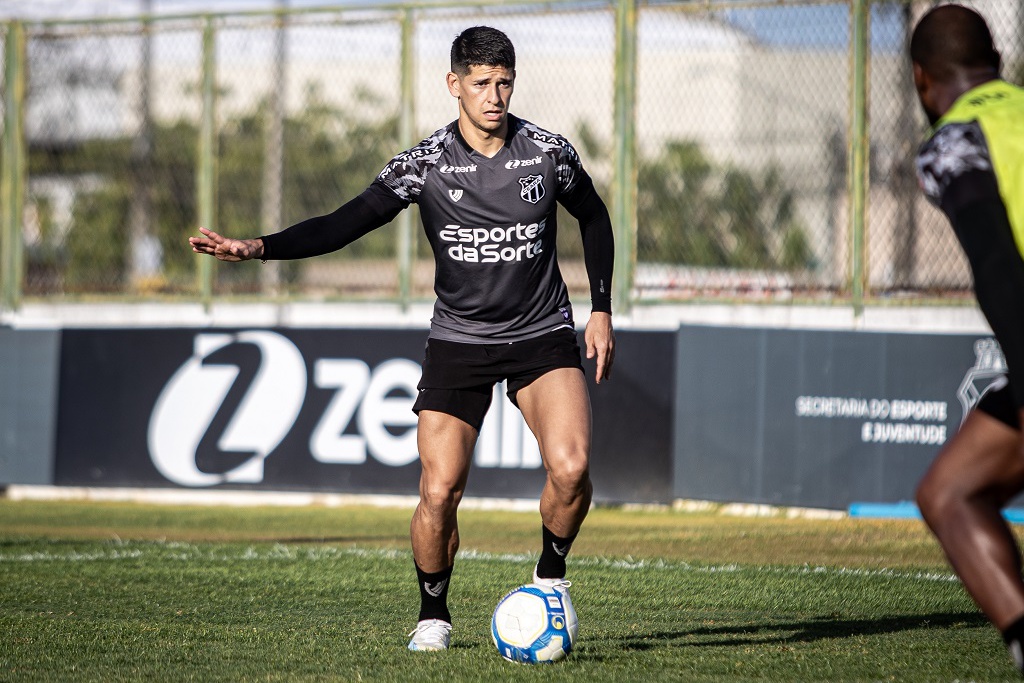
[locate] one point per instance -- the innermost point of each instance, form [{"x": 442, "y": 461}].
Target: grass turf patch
[{"x": 123, "y": 592}]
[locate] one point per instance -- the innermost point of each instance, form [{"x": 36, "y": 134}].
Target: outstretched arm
[
  {"x": 376, "y": 206},
  {"x": 586, "y": 206}
]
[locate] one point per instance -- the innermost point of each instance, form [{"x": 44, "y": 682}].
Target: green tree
[
  {"x": 330, "y": 156},
  {"x": 691, "y": 212}
]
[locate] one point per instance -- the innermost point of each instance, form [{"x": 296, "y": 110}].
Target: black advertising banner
[
  {"x": 632, "y": 453},
  {"x": 819, "y": 418},
  {"x": 313, "y": 410}
]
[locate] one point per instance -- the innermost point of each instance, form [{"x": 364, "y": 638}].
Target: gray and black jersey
[{"x": 491, "y": 222}]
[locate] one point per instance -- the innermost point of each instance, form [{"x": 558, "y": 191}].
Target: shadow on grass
[{"x": 806, "y": 631}]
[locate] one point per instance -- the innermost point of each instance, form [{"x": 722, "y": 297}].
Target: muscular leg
[
  {"x": 961, "y": 496},
  {"x": 556, "y": 407},
  {"x": 446, "y": 451}
]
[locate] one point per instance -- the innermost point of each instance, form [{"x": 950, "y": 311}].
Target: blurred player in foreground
[
  {"x": 972, "y": 167},
  {"x": 487, "y": 186}
]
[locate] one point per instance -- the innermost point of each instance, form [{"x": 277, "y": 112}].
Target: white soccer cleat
[
  {"x": 431, "y": 635},
  {"x": 562, "y": 586}
]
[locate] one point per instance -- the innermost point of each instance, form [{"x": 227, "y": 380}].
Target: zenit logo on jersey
[
  {"x": 516, "y": 163},
  {"x": 448, "y": 168}
]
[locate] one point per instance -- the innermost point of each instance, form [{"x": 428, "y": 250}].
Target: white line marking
[{"x": 189, "y": 552}]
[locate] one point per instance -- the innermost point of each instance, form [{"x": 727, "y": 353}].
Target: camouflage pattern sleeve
[
  {"x": 567, "y": 162},
  {"x": 406, "y": 173},
  {"x": 954, "y": 150}
]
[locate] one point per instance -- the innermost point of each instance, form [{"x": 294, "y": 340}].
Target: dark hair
[
  {"x": 482, "y": 46},
  {"x": 951, "y": 38}
]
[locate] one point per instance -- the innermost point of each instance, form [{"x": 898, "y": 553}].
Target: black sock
[
  {"x": 1013, "y": 636},
  {"x": 552, "y": 555},
  {"x": 434, "y": 594}
]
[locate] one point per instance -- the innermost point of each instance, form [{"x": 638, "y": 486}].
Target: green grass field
[{"x": 118, "y": 592}]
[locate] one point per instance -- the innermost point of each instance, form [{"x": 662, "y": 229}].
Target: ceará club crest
[{"x": 533, "y": 188}]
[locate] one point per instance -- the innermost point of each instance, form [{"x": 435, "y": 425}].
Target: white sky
[{"x": 78, "y": 9}]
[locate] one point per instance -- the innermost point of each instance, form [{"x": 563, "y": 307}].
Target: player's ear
[
  {"x": 921, "y": 80},
  {"x": 925, "y": 83},
  {"x": 453, "y": 84}
]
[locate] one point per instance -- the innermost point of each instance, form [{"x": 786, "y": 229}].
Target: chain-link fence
[
  {"x": 911, "y": 250},
  {"x": 721, "y": 141},
  {"x": 742, "y": 126}
]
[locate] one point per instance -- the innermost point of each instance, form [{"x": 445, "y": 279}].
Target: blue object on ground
[{"x": 907, "y": 510}]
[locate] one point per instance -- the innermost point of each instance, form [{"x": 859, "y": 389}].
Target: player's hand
[
  {"x": 224, "y": 248},
  {"x": 601, "y": 343}
]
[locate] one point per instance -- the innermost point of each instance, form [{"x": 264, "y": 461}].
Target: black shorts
[
  {"x": 458, "y": 379},
  {"x": 999, "y": 404}
]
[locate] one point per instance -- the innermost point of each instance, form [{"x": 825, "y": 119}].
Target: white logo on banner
[
  {"x": 186, "y": 408},
  {"x": 381, "y": 412},
  {"x": 505, "y": 440},
  {"x": 378, "y": 401},
  {"x": 987, "y": 374}
]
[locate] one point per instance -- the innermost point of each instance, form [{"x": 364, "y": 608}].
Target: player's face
[{"x": 484, "y": 95}]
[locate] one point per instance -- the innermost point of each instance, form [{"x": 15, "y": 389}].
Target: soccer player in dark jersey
[
  {"x": 972, "y": 167},
  {"x": 487, "y": 186}
]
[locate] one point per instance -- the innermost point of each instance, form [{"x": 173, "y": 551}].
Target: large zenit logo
[
  {"x": 189, "y": 402},
  {"x": 369, "y": 413}
]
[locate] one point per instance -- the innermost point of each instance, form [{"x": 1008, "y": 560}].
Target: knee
[
  {"x": 937, "y": 500},
  {"x": 570, "y": 471},
  {"x": 439, "y": 497}
]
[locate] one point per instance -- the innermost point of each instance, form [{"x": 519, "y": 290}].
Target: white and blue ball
[{"x": 534, "y": 625}]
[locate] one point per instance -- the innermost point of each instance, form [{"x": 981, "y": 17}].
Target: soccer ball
[{"x": 533, "y": 625}]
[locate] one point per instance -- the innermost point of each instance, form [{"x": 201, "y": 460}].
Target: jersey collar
[
  {"x": 964, "y": 106},
  {"x": 514, "y": 124}
]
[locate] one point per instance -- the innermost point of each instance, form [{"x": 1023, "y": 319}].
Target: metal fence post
[
  {"x": 624, "y": 183},
  {"x": 406, "y": 135},
  {"x": 206, "y": 176},
  {"x": 13, "y": 190},
  {"x": 141, "y": 211},
  {"x": 859, "y": 140},
  {"x": 272, "y": 194}
]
